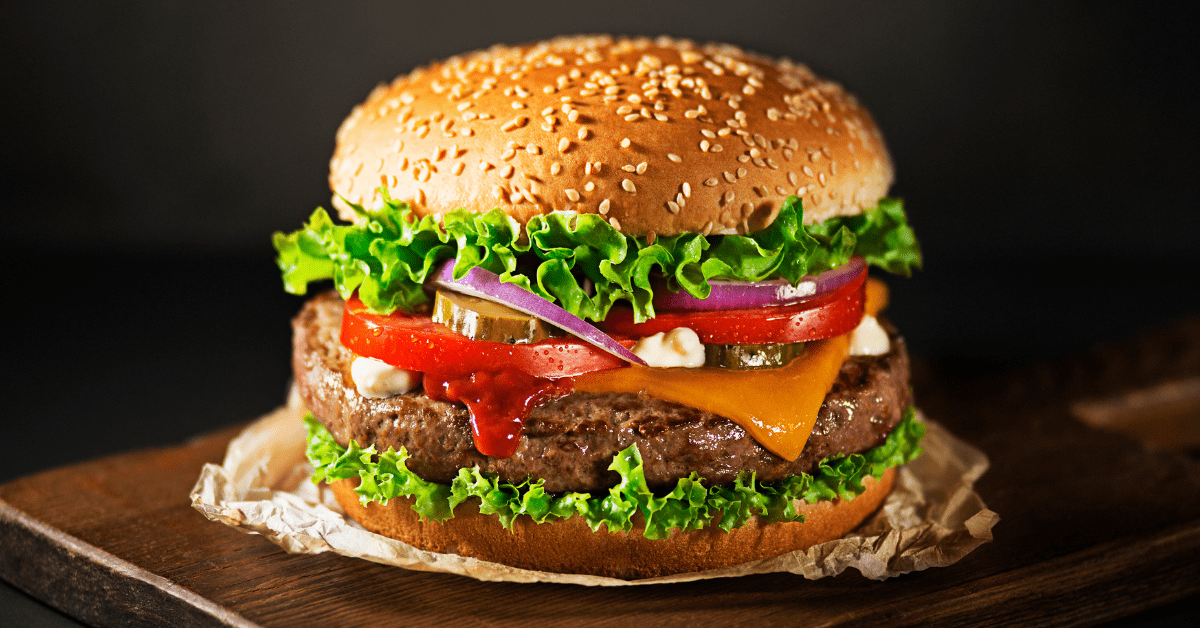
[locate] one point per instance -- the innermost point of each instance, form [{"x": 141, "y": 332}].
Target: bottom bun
[{"x": 570, "y": 546}]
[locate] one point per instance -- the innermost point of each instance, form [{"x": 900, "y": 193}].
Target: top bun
[{"x": 661, "y": 136}]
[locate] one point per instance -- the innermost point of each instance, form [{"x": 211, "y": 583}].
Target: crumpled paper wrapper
[{"x": 932, "y": 518}]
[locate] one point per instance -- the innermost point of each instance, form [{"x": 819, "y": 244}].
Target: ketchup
[{"x": 498, "y": 401}]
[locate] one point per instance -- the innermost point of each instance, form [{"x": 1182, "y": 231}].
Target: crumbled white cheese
[
  {"x": 678, "y": 347},
  {"x": 869, "y": 338},
  {"x": 377, "y": 380}
]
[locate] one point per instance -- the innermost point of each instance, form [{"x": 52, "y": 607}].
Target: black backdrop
[{"x": 1046, "y": 153}]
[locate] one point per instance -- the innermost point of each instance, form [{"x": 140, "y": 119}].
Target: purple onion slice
[
  {"x": 487, "y": 285},
  {"x": 737, "y": 295}
]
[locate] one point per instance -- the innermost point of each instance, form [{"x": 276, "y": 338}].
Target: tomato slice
[
  {"x": 821, "y": 317},
  {"x": 417, "y": 343}
]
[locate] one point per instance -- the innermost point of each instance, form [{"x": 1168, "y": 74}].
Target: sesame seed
[
  {"x": 651, "y": 237},
  {"x": 628, "y": 186},
  {"x": 423, "y": 132},
  {"x": 680, "y": 200},
  {"x": 661, "y": 117},
  {"x": 508, "y": 154},
  {"x": 673, "y": 207},
  {"x": 687, "y": 190},
  {"x": 771, "y": 163},
  {"x": 631, "y": 117},
  {"x": 589, "y": 186},
  {"x": 625, "y": 143},
  {"x": 716, "y": 148},
  {"x": 690, "y": 114},
  {"x": 743, "y": 158},
  {"x": 707, "y": 133},
  {"x": 518, "y": 105},
  {"x": 587, "y": 168},
  {"x": 807, "y": 171},
  {"x": 563, "y": 145},
  {"x": 583, "y": 133},
  {"x": 711, "y": 181},
  {"x": 704, "y": 145},
  {"x": 628, "y": 168},
  {"x": 615, "y": 224},
  {"x": 573, "y": 115},
  {"x": 547, "y": 111},
  {"x": 675, "y": 158},
  {"x": 514, "y": 198},
  {"x": 458, "y": 168},
  {"x": 791, "y": 178},
  {"x": 821, "y": 178},
  {"x": 515, "y": 123},
  {"x": 741, "y": 172},
  {"x": 707, "y": 228},
  {"x": 572, "y": 194},
  {"x": 555, "y": 168},
  {"x": 787, "y": 154},
  {"x": 604, "y": 204},
  {"x": 506, "y": 171},
  {"x": 641, "y": 168},
  {"x": 759, "y": 162},
  {"x": 728, "y": 197},
  {"x": 729, "y": 176},
  {"x": 802, "y": 191},
  {"x": 533, "y": 149},
  {"x": 612, "y": 89}
]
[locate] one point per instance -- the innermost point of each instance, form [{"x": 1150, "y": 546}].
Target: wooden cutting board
[{"x": 1094, "y": 526}]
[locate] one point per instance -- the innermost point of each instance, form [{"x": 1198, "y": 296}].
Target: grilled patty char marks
[{"x": 570, "y": 442}]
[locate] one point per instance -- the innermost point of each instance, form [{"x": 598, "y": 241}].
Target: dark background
[{"x": 1046, "y": 152}]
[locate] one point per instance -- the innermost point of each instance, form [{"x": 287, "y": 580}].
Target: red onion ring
[
  {"x": 738, "y": 295},
  {"x": 485, "y": 284}
]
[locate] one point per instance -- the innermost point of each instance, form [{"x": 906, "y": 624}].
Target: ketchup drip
[{"x": 498, "y": 401}]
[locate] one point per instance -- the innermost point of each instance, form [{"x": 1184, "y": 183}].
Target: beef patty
[{"x": 570, "y": 442}]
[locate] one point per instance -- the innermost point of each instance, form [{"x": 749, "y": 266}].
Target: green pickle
[
  {"x": 479, "y": 319},
  {"x": 751, "y": 357}
]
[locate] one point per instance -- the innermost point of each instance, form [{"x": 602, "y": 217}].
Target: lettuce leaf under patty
[
  {"x": 689, "y": 506},
  {"x": 390, "y": 253}
]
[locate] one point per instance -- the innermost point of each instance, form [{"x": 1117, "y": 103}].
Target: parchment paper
[{"x": 932, "y": 518}]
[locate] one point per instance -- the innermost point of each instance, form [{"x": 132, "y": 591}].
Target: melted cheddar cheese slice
[{"x": 777, "y": 407}]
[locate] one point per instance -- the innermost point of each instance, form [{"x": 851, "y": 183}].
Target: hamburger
[{"x": 601, "y": 305}]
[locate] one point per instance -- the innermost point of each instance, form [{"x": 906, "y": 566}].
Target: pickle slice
[
  {"x": 751, "y": 357},
  {"x": 480, "y": 319}
]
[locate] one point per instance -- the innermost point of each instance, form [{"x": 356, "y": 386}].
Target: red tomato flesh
[
  {"x": 417, "y": 343},
  {"x": 826, "y": 316}
]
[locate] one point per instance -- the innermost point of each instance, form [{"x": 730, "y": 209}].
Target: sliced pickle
[
  {"x": 751, "y": 357},
  {"x": 480, "y": 319}
]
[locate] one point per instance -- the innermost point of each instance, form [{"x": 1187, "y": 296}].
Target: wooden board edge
[
  {"x": 94, "y": 586},
  {"x": 1101, "y": 583}
]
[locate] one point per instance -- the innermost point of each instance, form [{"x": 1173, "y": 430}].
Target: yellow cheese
[{"x": 776, "y": 407}]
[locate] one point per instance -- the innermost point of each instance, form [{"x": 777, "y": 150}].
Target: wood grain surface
[{"x": 1094, "y": 526}]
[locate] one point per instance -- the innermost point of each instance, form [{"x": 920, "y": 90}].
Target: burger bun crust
[
  {"x": 661, "y": 136},
  {"x": 570, "y": 546}
]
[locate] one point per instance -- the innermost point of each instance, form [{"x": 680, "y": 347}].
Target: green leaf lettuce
[
  {"x": 689, "y": 506},
  {"x": 389, "y": 254}
]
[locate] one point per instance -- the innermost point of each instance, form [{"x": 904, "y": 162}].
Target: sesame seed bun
[
  {"x": 661, "y": 136},
  {"x": 570, "y": 546}
]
